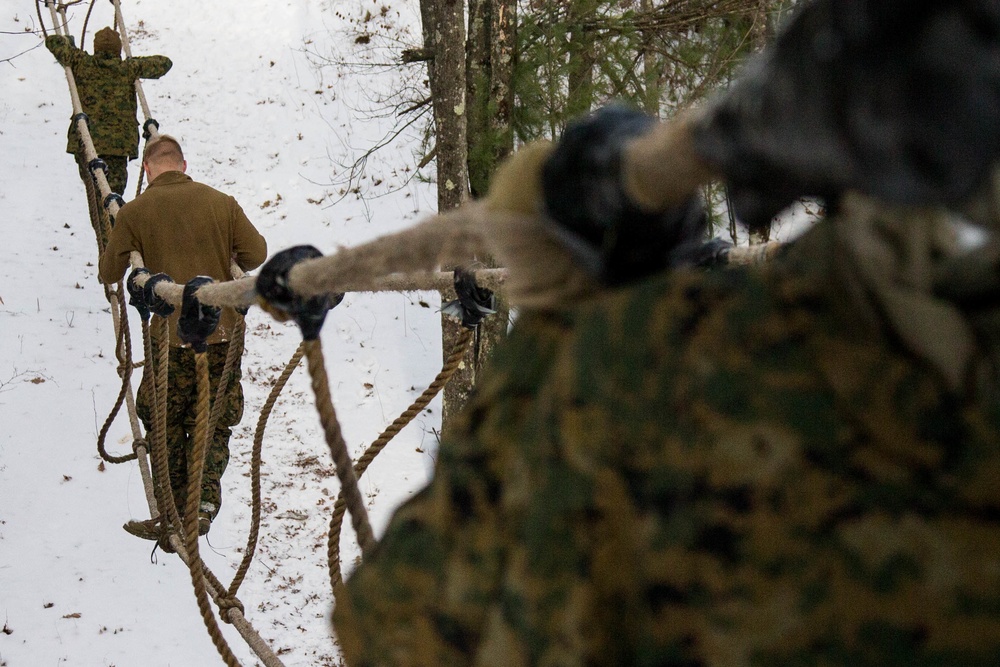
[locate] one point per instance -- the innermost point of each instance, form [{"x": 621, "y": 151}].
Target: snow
[{"x": 273, "y": 103}]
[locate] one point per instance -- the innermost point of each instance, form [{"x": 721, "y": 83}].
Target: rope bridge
[{"x": 297, "y": 284}]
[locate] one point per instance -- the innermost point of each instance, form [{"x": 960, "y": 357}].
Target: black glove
[
  {"x": 474, "y": 303},
  {"x": 197, "y": 321},
  {"x": 279, "y": 299},
  {"x": 584, "y": 195},
  {"x": 157, "y": 304},
  {"x": 136, "y": 296}
]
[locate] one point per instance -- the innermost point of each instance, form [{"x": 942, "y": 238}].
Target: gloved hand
[
  {"x": 136, "y": 295},
  {"x": 614, "y": 239},
  {"x": 277, "y": 297},
  {"x": 154, "y": 301},
  {"x": 474, "y": 303},
  {"x": 197, "y": 321}
]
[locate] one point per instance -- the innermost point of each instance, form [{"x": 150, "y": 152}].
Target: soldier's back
[{"x": 722, "y": 468}]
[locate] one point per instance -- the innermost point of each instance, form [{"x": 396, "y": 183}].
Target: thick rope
[
  {"x": 161, "y": 457},
  {"x": 120, "y": 21},
  {"x": 258, "y": 440},
  {"x": 233, "y": 353},
  {"x": 338, "y": 448},
  {"x": 232, "y": 609},
  {"x": 196, "y": 467},
  {"x": 362, "y": 269},
  {"x": 125, "y": 369},
  {"x": 337, "y": 520}
]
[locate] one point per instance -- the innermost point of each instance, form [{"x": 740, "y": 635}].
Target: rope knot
[
  {"x": 137, "y": 443},
  {"x": 227, "y": 605}
]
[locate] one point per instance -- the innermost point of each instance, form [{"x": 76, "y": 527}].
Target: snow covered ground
[{"x": 273, "y": 103}]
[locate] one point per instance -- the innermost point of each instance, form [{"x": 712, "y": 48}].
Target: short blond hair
[{"x": 163, "y": 148}]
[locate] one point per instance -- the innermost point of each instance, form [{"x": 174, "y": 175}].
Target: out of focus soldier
[{"x": 794, "y": 464}]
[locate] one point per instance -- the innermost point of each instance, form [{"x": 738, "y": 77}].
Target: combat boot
[
  {"x": 206, "y": 514},
  {"x": 150, "y": 529},
  {"x": 155, "y": 529}
]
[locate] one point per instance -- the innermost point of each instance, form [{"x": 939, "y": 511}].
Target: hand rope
[
  {"x": 125, "y": 369},
  {"x": 258, "y": 440},
  {"x": 337, "y": 520},
  {"x": 196, "y": 466},
  {"x": 338, "y": 448},
  {"x": 120, "y": 21}
]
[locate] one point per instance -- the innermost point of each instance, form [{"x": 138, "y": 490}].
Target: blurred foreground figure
[{"x": 797, "y": 464}]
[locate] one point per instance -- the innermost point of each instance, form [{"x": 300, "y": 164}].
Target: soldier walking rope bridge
[{"x": 298, "y": 284}]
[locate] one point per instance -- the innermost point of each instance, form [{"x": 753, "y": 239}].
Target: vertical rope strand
[
  {"x": 196, "y": 467},
  {"x": 255, "y": 460},
  {"x": 338, "y": 448},
  {"x": 337, "y": 520}
]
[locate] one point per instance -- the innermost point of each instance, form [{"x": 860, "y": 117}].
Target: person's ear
[{"x": 184, "y": 167}]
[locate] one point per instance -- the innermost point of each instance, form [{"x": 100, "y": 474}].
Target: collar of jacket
[{"x": 170, "y": 178}]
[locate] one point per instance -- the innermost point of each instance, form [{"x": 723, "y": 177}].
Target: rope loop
[
  {"x": 150, "y": 122},
  {"x": 277, "y": 297},
  {"x": 137, "y": 443},
  {"x": 226, "y": 605}
]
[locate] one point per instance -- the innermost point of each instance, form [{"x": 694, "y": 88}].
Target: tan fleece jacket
[{"x": 184, "y": 229}]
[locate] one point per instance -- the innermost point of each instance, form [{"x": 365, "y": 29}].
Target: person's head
[
  {"x": 107, "y": 42},
  {"x": 163, "y": 154}
]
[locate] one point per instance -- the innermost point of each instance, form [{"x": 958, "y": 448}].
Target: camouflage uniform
[
  {"x": 182, "y": 393},
  {"x": 725, "y": 468},
  {"x": 106, "y": 84}
]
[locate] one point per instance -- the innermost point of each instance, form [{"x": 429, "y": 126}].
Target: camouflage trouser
[
  {"x": 117, "y": 180},
  {"x": 182, "y": 404}
]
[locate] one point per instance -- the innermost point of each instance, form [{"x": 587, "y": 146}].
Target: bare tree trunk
[
  {"x": 444, "y": 37},
  {"x": 490, "y": 99},
  {"x": 489, "y": 88}
]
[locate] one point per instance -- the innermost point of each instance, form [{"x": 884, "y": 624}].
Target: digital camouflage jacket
[
  {"x": 106, "y": 85},
  {"x": 724, "y": 468}
]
